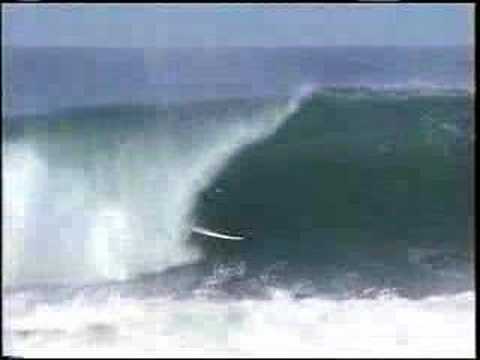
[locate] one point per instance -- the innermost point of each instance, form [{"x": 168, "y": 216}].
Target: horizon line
[{"x": 237, "y": 46}]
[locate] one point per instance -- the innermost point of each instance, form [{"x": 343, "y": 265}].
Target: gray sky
[{"x": 155, "y": 25}]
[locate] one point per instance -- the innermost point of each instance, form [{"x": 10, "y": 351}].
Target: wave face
[
  {"x": 108, "y": 192},
  {"x": 377, "y": 183}
]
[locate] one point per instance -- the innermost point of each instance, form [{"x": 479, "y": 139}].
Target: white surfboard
[{"x": 203, "y": 231}]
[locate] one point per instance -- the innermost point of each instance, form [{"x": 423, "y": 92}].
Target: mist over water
[
  {"x": 116, "y": 201},
  {"x": 348, "y": 174}
]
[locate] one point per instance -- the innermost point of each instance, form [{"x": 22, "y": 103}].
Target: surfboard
[{"x": 206, "y": 232}]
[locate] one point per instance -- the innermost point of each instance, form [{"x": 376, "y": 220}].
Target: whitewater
[{"x": 281, "y": 327}]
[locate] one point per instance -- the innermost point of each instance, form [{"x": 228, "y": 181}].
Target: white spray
[{"x": 129, "y": 211}]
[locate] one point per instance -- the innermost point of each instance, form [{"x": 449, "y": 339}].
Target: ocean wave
[{"x": 348, "y": 179}]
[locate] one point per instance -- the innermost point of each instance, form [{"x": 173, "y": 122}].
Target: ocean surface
[{"x": 313, "y": 202}]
